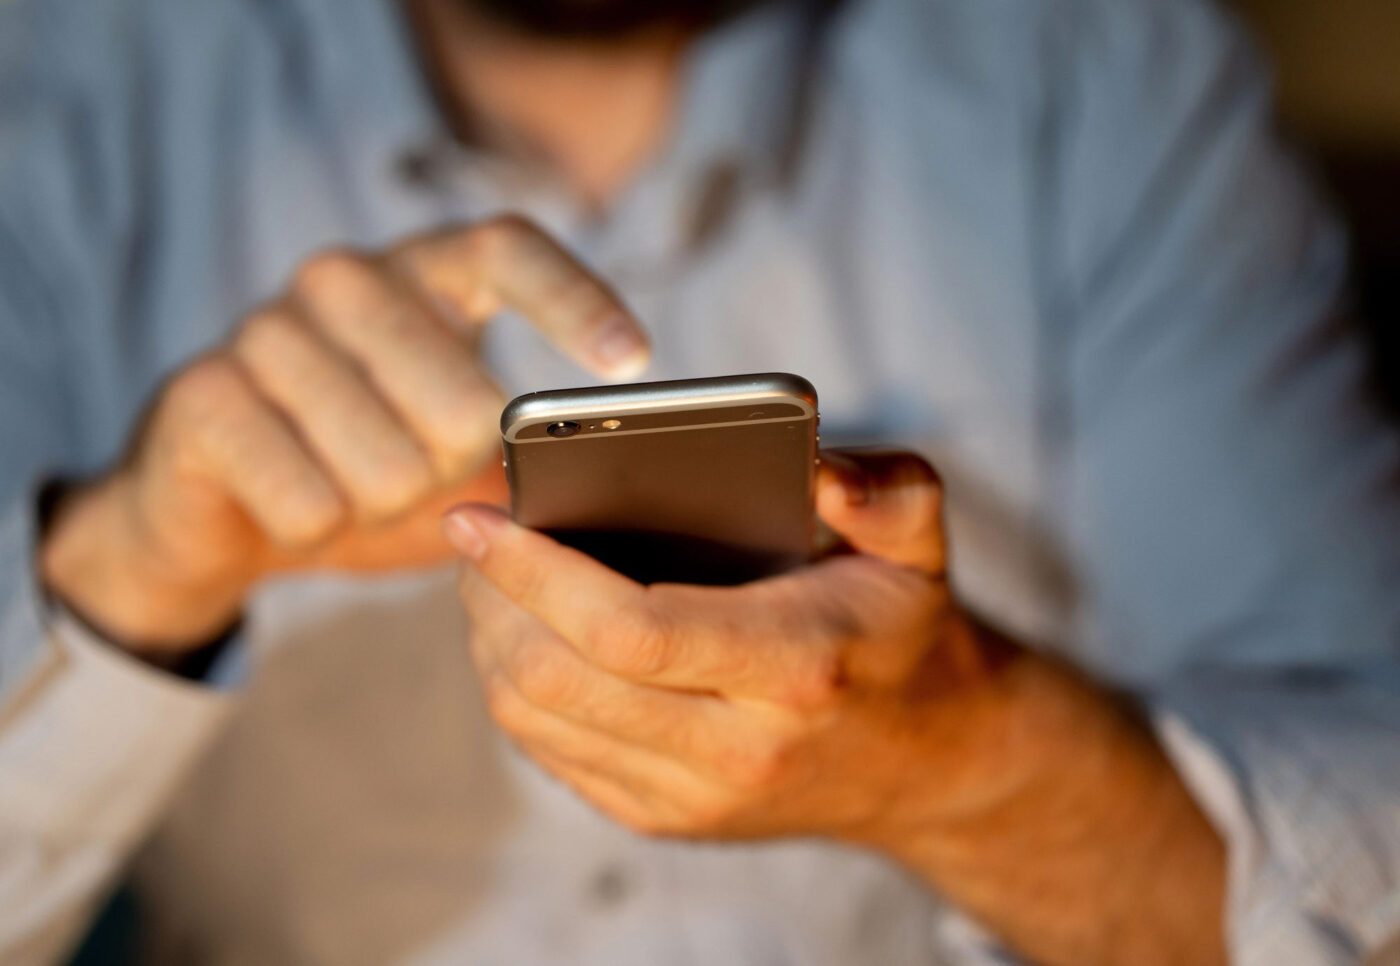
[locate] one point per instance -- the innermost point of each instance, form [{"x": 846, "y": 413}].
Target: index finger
[
  {"x": 737, "y": 640},
  {"x": 510, "y": 263}
]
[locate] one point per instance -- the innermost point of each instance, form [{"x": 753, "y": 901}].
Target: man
[{"x": 1050, "y": 247}]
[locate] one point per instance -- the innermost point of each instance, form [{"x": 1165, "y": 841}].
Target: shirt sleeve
[
  {"x": 1304, "y": 783},
  {"x": 92, "y": 744},
  {"x": 1228, "y": 492}
]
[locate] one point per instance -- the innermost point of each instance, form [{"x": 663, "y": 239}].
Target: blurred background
[{"x": 1339, "y": 98}]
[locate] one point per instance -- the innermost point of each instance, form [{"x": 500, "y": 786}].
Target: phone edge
[{"x": 634, "y": 398}]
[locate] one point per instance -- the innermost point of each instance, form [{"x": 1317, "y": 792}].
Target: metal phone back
[{"x": 698, "y": 480}]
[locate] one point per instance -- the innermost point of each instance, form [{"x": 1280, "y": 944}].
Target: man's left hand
[
  {"x": 852, "y": 699},
  {"x": 795, "y": 705}
]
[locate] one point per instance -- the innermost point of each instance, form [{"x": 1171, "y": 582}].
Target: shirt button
[{"x": 609, "y": 886}]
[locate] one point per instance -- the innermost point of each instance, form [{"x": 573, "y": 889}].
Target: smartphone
[{"x": 707, "y": 481}]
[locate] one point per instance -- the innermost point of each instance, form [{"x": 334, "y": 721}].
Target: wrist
[
  {"x": 92, "y": 559},
  {"x": 1017, "y": 761},
  {"x": 1064, "y": 828},
  {"x": 967, "y": 728}
]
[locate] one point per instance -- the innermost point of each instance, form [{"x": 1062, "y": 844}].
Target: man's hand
[
  {"x": 852, "y": 699},
  {"x": 729, "y": 712},
  {"x": 331, "y": 431}
]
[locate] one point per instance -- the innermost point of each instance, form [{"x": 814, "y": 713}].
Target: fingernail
[
  {"x": 465, "y": 534},
  {"x": 619, "y": 349}
]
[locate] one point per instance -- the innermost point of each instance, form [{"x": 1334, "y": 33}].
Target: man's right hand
[{"x": 330, "y": 432}]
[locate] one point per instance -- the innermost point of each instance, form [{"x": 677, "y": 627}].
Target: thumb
[{"x": 888, "y": 504}]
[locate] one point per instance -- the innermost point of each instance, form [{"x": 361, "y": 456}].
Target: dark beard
[{"x": 605, "y": 19}]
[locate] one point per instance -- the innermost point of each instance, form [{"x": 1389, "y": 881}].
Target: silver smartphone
[{"x": 705, "y": 481}]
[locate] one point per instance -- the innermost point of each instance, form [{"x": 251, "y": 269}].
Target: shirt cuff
[
  {"x": 22, "y": 609},
  {"x": 95, "y": 742},
  {"x": 1303, "y": 786}
]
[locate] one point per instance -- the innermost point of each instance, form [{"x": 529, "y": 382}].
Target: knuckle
[
  {"x": 295, "y": 505},
  {"x": 206, "y": 385},
  {"x": 832, "y": 624},
  {"x": 542, "y": 678},
  {"x": 528, "y": 579},
  {"x": 575, "y": 295},
  {"x": 311, "y": 515},
  {"x": 756, "y": 764},
  {"x": 473, "y": 402},
  {"x": 470, "y": 430},
  {"x": 501, "y": 236},
  {"x": 195, "y": 411},
  {"x": 263, "y": 335},
  {"x": 397, "y": 485},
  {"x": 638, "y": 642},
  {"x": 329, "y": 273},
  {"x": 508, "y": 709},
  {"x": 819, "y": 683},
  {"x": 298, "y": 506}
]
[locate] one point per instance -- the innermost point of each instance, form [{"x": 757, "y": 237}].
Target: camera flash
[{"x": 611, "y": 423}]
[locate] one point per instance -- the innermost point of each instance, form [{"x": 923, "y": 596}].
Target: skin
[
  {"x": 331, "y": 432},
  {"x": 853, "y": 700},
  {"x": 239, "y": 473},
  {"x": 538, "y": 100}
]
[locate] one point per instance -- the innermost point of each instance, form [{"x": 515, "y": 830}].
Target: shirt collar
[
  {"x": 741, "y": 91},
  {"x": 737, "y": 113}
]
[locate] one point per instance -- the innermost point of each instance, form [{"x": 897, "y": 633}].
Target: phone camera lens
[{"x": 562, "y": 430}]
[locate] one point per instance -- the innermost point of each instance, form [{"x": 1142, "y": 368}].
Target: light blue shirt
[{"x": 1054, "y": 246}]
